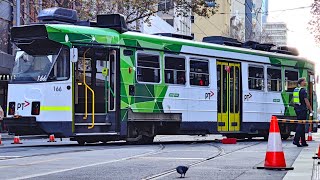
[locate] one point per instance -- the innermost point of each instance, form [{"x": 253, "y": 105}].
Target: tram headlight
[
  {"x": 12, "y": 108},
  {"x": 35, "y": 109}
]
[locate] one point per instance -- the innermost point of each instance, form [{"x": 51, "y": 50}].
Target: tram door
[{"x": 229, "y": 96}]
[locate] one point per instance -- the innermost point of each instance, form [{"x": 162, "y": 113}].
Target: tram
[{"x": 99, "y": 81}]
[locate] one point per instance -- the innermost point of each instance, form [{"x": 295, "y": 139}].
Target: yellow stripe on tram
[{"x": 55, "y": 108}]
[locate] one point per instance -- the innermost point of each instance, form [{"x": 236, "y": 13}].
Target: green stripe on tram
[{"x": 55, "y": 108}]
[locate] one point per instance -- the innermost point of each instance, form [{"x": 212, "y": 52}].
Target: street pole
[
  {"x": 18, "y": 12},
  {"x": 248, "y": 20},
  {"x": 10, "y": 25}
]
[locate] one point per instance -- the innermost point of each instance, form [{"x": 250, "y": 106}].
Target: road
[{"x": 207, "y": 158}]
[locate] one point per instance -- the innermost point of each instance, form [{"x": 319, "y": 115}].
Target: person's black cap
[{"x": 300, "y": 80}]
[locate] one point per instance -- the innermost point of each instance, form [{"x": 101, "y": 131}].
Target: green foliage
[
  {"x": 134, "y": 10},
  {"x": 314, "y": 23}
]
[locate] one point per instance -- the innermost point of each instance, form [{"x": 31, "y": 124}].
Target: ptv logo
[
  {"x": 208, "y": 95},
  {"x": 22, "y": 105}
]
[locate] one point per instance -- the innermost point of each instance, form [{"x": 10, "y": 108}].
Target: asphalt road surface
[{"x": 207, "y": 158}]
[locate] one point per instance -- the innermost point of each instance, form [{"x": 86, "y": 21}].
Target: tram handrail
[{"x": 86, "y": 92}]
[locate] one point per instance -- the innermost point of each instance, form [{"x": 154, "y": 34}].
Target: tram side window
[
  {"x": 148, "y": 68},
  {"x": 61, "y": 69},
  {"x": 199, "y": 72},
  {"x": 291, "y": 78},
  {"x": 175, "y": 70},
  {"x": 256, "y": 77},
  {"x": 274, "y": 80}
]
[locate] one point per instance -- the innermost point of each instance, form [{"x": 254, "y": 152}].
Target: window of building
[
  {"x": 274, "y": 80},
  {"x": 291, "y": 80},
  {"x": 175, "y": 70},
  {"x": 199, "y": 72},
  {"x": 256, "y": 77},
  {"x": 148, "y": 68}
]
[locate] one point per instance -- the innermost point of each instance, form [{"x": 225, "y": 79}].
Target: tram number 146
[{"x": 57, "y": 88}]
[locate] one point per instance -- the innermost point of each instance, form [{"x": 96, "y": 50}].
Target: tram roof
[{"x": 103, "y": 33}]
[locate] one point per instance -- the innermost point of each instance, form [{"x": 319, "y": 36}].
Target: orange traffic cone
[
  {"x": 16, "y": 140},
  {"x": 310, "y": 134},
  {"x": 317, "y": 154},
  {"x": 275, "y": 155},
  {"x": 51, "y": 138}
]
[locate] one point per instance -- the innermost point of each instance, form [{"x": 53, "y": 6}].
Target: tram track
[
  {"x": 3, "y": 158},
  {"x": 220, "y": 153},
  {"x": 95, "y": 147}
]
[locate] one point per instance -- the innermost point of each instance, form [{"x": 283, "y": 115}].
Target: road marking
[{"x": 85, "y": 166}]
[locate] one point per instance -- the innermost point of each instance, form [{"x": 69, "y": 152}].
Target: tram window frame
[
  {"x": 256, "y": 78},
  {"x": 60, "y": 66},
  {"x": 148, "y": 67},
  {"x": 199, "y": 73},
  {"x": 294, "y": 82},
  {"x": 279, "y": 80},
  {"x": 175, "y": 70}
]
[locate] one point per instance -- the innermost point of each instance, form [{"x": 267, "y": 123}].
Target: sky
[{"x": 297, "y": 23}]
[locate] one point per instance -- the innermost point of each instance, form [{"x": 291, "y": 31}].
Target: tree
[
  {"x": 314, "y": 23},
  {"x": 133, "y": 10}
]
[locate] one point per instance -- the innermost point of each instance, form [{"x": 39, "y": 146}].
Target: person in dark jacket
[{"x": 301, "y": 107}]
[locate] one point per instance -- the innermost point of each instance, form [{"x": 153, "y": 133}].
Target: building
[
  {"x": 246, "y": 20},
  {"x": 6, "y": 59},
  {"x": 265, "y": 6},
  {"x": 276, "y": 33},
  {"x": 216, "y": 25},
  {"x": 168, "y": 20}
]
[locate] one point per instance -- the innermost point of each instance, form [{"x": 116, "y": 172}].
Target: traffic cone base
[
  {"x": 275, "y": 159},
  {"x": 1, "y": 140},
  {"x": 317, "y": 156},
  {"x": 276, "y": 168}
]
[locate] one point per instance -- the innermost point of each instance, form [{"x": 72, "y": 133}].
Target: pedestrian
[{"x": 301, "y": 107}]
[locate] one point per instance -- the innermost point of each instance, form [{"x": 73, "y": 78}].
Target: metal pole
[
  {"x": 9, "y": 27},
  {"x": 18, "y": 12},
  {"x": 40, "y": 5}
]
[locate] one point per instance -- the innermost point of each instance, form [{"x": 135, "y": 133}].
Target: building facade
[
  {"x": 246, "y": 21},
  {"x": 168, "y": 20},
  {"x": 276, "y": 33},
  {"x": 6, "y": 59},
  {"x": 216, "y": 25}
]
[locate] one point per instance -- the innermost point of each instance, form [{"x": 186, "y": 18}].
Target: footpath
[{"x": 305, "y": 167}]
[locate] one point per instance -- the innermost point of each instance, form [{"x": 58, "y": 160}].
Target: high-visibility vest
[{"x": 296, "y": 92}]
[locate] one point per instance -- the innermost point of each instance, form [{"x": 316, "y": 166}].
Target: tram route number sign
[{"x": 247, "y": 96}]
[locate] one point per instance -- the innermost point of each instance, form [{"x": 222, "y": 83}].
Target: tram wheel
[
  {"x": 81, "y": 142},
  {"x": 145, "y": 140}
]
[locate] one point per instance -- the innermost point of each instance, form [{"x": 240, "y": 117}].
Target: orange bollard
[
  {"x": 317, "y": 154},
  {"x": 51, "y": 138},
  {"x": 310, "y": 133},
  {"x": 275, "y": 156},
  {"x": 16, "y": 140}
]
